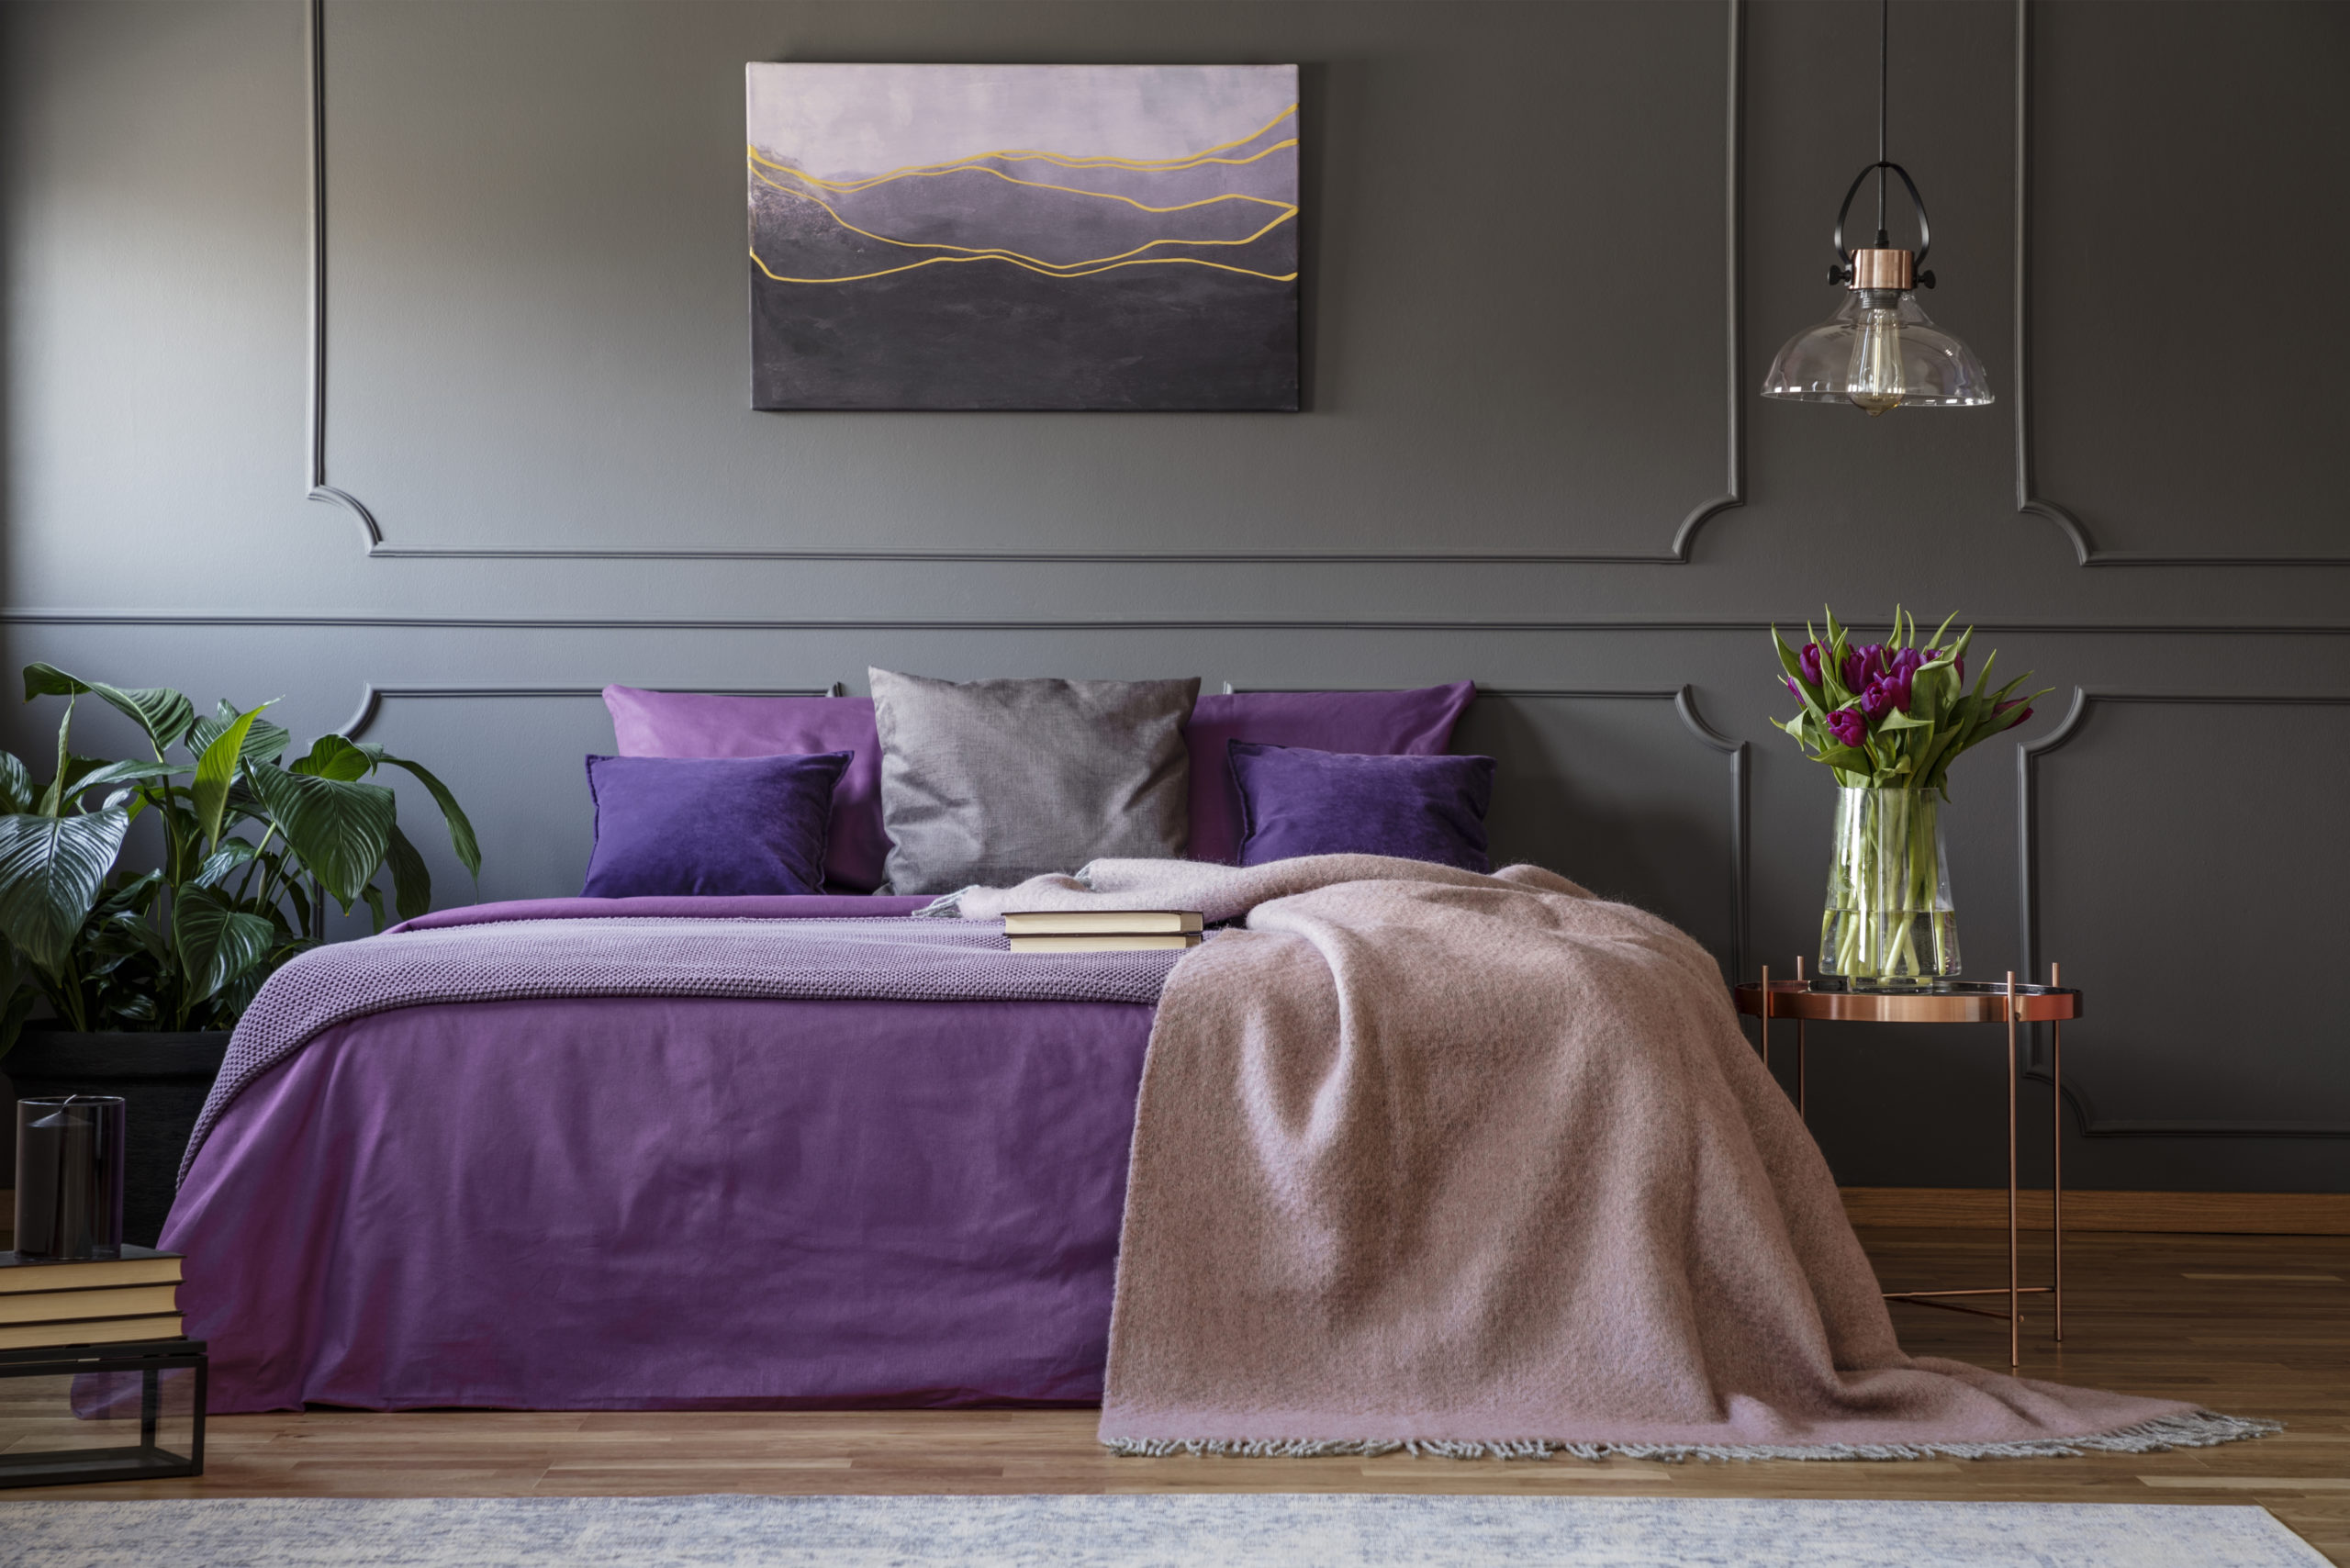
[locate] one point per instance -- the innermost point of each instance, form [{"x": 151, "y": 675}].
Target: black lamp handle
[{"x": 1843, "y": 269}]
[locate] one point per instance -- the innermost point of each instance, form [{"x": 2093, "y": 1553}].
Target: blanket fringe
[{"x": 2192, "y": 1430}]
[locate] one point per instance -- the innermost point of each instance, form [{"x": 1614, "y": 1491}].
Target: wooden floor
[{"x": 2256, "y": 1326}]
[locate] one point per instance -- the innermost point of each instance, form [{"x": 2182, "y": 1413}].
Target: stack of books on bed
[
  {"x": 1101, "y": 930},
  {"x": 100, "y": 1301}
]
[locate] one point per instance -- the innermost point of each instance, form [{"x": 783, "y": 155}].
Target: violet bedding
[{"x": 430, "y": 1177}]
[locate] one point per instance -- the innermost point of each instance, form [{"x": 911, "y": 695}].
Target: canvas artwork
[{"x": 1099, "y": 237}]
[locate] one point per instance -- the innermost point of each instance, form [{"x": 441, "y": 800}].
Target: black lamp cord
[
  {"x": 1883, "y": 28},
  {"x": 1840, "y": 272}
]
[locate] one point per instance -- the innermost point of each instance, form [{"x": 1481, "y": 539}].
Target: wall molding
[
  {"x": 2087, "y": 552},
  {"x": 371, "y": 697},
  {"x": 1677, "y": 553},
  {"x": 2029, "y": 756},
  {"x": 1677, "y": 626}
]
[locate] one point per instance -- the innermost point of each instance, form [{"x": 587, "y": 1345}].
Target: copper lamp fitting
[{"x": 1875, "y": 269}]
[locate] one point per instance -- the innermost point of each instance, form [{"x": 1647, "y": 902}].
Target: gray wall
[{"x": 1550, "y": 250}]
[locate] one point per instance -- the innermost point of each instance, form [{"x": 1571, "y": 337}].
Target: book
[
  {"x": 1107, "y": 942},
  {"x": 1084, "y": 922},
  {"x": 76, "y": 1307},
  {"x": 98, "y": 1331},
  {"x": 136, "y": 1266}
]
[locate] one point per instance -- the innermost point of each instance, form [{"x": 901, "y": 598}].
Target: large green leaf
[
  {"x": 215, "y": 769},
  {"x": 412, "y": 881},
  {"x": 18, "y": 791},
  {"x": 51, "y": 870},
  {"x": 264, "y": 742},
  {"x": 461, "y": 831},
  {"x": 217, "y": 941},
  {"x": 165, "y": 715},
  {"x": 332, "y": 757},
  {"x": 341, "y": 829}
]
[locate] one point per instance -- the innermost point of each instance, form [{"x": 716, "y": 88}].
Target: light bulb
[{"x": 1874, "y": 379}]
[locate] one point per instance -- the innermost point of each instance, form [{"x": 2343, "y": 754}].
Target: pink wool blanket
[{"x": 1485, "y": 1165}]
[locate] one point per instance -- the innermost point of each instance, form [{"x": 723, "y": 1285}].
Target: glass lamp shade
[{"x": 1879, "y": 352}]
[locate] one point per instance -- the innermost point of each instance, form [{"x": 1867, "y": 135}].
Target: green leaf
[
  {"x": 412, "y": 881},
  {"x": 461, "y": 832},
  {"x": 50, "y": 871},
  {"x": 374, "y": 896},
  {"x": 131, "y": 898},
  {"x": 18, "y": 791},
  {"x": 19, "y": 1007},
  {"x": 48, "y": 680},
  {"x": 220, "y": 863},
  {"x": 264, "y": 742},
  {"x": 165, "y": 715},
  {"x": 215, "y": 769},
  {"x": 1897, "y": 720},
  {"x": 217, "y": 941},
  {"x": 332, "y": 757},
  {"x": 117, "y": 772},
  {"x": 341, "y": 829}
]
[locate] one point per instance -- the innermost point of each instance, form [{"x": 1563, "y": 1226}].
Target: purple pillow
[
  {"x": 710, "y": 826},
  {"x": 1296, "y": 801},
  {"x": 693, "y": 723},
  {"x": 1384, "y": 723}
]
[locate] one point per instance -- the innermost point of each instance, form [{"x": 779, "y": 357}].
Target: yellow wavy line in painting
[
  {"x": 1086, "y": 161},
  {"x": 1002, "y": 252},
  {"x": 958, "y": 261},
  {"x": 852, "y": 186}
]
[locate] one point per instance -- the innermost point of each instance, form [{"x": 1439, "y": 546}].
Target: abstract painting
[{"x": 1092, "y": 237}]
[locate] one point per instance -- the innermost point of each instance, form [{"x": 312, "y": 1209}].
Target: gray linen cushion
[{"x": 995, "y": 781}]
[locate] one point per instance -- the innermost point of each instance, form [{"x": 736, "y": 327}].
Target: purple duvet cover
[{"x": 661, "y": 1201}]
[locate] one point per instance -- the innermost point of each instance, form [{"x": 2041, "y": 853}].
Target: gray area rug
[{"x": 1388, "y": 1531}]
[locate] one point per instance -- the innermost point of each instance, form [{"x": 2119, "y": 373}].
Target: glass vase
[{"x": 1889, "y": 924}]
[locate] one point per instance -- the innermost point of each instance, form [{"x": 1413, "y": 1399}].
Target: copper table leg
[
  {"x": 1800, "y": 1111},
  {"x": 2056, "y": 1152},
  {"x": 2015, "y": 1301}
]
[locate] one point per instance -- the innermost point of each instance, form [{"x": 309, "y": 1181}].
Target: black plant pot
[{"x": 163, "y": 1080}]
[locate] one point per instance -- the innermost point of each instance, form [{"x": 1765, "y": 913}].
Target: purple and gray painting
[{"x": 1023, "y": 236}]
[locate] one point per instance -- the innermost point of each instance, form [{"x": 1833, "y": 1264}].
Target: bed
[{"x": 1407, "y": 1153}]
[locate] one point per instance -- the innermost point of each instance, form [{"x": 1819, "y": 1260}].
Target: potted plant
[
  {"x": 146, "y": 970},
  {"x": 1888, "y": 719}
]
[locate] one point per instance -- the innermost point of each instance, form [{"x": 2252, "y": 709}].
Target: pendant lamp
[{"x": 1879, "y": 352}]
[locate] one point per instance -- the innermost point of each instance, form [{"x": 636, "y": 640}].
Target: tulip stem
[{"x": 1885, "y": 912}]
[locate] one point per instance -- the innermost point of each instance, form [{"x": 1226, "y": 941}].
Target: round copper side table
[{"x": 1950, "y": 1001}]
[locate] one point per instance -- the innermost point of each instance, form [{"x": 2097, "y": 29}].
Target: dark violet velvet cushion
[
  {"x": 696, "y": 723},
  {"x": 710, "y": 826},
  {"x": 1418, "y": 723},
  {"x": 1296, "y": 802}
]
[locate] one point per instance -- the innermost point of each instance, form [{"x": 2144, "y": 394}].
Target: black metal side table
[
  {"x": 149, "y": 1460},
  {"x": 1950, "y": 1001}
]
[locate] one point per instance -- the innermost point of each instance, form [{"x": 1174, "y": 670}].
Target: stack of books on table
[
  {"x": 100, "y": 1301},
  {"x": 1102, "y": 930}
]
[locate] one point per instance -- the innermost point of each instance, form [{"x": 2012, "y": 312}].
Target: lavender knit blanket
[
  {"x": 861, "y": 959},
  {"x": 1483, "y": 1166}
]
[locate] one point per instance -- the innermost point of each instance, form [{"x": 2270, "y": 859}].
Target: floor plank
[{"x": 2253, "y": 1325}]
